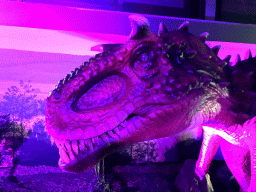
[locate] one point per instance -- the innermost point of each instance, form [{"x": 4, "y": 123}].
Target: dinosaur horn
[
  {"x": 224, "y": 62},
  {"x": 238, "y": 59},
  {"x": 140, "y": 27},
  {"x": 204, "y": 36},
  {"x": 250, "y": 54},
  {"x": 184, "y": 26},
  {"x": 162, "y": 29},
  {"x": 216, "y": 49},
  {"x": 227, "y": 58}
]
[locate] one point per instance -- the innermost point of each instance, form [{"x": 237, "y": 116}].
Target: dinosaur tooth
[
  {"x": 82, "y": 146},
  {"x": 130, "y": 127},
  {"x": 184, "y": 26},
  {"x": 204, "y": 36},
  {"x": 74, "y": 145},
  {"x": 123, "y": 133},
  {"x": 121, "y": 126},
  {"x": 116, "y": 130},
  {"x": 69, "y": 150},
  {"x": 105, "y": 138},
  {"x": 64, "y": 156},
  {"x": 95, "y": 141},
  {"x": 89, "y": 144},
  {"x": 98, "y": 142},
  {"x": 113, "y": 135}
]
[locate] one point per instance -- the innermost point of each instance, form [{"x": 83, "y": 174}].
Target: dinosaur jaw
[
  {"x": 90, "y": 151},
  {"x": 80, "y": 155}
]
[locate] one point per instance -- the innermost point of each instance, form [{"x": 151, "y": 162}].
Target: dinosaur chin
[{"x": 151, "y": 87}]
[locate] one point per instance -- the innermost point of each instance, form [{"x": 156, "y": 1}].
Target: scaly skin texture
[
  {"x": 237, "y": 141},
  {"x": 153, "y": 86}
]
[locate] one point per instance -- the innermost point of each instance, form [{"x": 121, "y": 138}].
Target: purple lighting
[{"x": 124, "y": 89}]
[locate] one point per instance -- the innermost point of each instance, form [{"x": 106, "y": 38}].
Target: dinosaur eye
[
  {"x": 145, "y": 62},
  {"x": 144, "y": 57}
]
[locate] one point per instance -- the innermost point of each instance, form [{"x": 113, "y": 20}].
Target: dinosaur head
[{"x": 150, "y": 87}]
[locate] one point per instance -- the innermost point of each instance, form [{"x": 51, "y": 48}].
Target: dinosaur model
[
  {"x": 153, "y": 86},
  {"x": 237, "y": 141}
]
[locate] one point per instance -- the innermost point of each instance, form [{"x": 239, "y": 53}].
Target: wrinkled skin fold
[{"x": 153, "y": 86}]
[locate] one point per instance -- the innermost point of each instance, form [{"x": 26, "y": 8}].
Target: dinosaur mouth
[{"x": 80, "y": 155}]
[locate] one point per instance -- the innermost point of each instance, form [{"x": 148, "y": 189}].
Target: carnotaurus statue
[{"x": 153, "y": 86}]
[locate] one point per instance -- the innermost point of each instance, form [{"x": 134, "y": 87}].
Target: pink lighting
[{"x": 43, "y": 43}]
